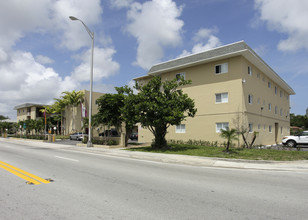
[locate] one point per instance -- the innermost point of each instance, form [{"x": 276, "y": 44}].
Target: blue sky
[{"x": 43, "y": 52}]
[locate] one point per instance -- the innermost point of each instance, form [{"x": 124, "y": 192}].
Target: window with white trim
[
  {"x": 269, "y": 106},
  {"x": 221, "y": 68},
  {"x": 250, "y": 97},
  {"x": 249, "y": 70},
  {"x": 269, "y": 84},
  {"x": 221, "y": 97},
  {"x": 180, "y": 128},
  {"x": 221, "y": 126},
  {"x": 179, "y": 75}
]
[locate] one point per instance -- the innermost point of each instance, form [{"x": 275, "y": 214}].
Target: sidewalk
[{"x": 179, "y": 159}]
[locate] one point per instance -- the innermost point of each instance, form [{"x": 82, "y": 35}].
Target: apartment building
[
  {"x": 28, "y": 111},
  {"x": 232, "y": 87},
  {"x": 73, "y": 116}
]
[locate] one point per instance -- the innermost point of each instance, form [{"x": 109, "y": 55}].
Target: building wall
[
  {"x": 72, "y": 113},
  {"x": 27, "y": 113},
  {"x": 238, "y": 84}
]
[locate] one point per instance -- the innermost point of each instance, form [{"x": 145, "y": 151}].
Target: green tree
[
  {"x": 299, "y": 121},
  {"x": 230, "y": 135},
  {"x": 161, "y": 104},
  {"x": 3, "y": 117},
  {"x": 72, "y": 100},
  {"x": 115, "y": 109},
  {"x": 59, "y": 107}
]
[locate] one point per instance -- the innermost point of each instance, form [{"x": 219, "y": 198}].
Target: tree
[
  {"x": 161, "y": 104},
  {"x": 115, "y": 109},
  {"x": 59, "y": 107},
  {"x": 230, "y": 135},
  {"x": 73, "y": 99},
  {"x": 3, "y": 117},
  {"x": 299, "y": 121}
]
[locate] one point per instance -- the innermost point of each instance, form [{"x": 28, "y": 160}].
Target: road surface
[{"x": 95, "y": 186}]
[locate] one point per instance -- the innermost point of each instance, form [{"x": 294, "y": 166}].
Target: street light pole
[{"x": 89, "y": 143}]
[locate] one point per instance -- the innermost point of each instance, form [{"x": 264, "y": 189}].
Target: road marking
[
  {"x": 65, "y": 158},
  {"x": 32, "y": 179}
]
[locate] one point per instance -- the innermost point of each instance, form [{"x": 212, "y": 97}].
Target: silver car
[{"x": 77, "y": 136}]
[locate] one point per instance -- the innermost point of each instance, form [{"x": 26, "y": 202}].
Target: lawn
[{"x": 235, "y": 153}]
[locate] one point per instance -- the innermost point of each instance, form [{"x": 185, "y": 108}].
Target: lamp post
[{"x": 89, "y": 144}]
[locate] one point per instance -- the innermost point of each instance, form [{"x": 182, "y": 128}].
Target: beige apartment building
[
  {"x": 28, "y": 111},
  {"x": 232, "y": 87},
  {"x": 73, "y": 116}
]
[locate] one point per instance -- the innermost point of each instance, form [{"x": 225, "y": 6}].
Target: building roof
[
  {"x": 26, "y": 105},
  {"x": 223, "y": 52}
]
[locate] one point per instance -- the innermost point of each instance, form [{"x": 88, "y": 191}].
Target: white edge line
[{"x": 65, "y": 158}]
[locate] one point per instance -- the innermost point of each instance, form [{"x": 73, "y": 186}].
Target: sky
[{"x": 43, "y": 52}]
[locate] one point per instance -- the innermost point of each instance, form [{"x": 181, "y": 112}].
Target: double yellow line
[{"x": 31, "y": 179}]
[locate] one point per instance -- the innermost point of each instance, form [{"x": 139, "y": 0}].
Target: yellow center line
[{"x": 23, "y": 174}]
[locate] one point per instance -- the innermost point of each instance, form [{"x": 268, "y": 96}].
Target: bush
[
  {"x": 100, "y": 141},
  {"x": 196, "y": 143}
]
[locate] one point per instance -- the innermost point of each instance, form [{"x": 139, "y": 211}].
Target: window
[
  {"x": 250, "y": 99},
  {"x": 281, "y": 112},
  {"x": 221, "y": 98},
  {"x": 250, "y": 127},
  {"x": 276, "y": 110},
  {"x": 221, "y": 68},
  {"x": 276, "y": 90},
  {"x": 269, "y": 106},
  {"x": 221, "y": 126},
  {"x": 280, "y": 130},
  {"x": 270, "y": 129},
  {"x": 280, "y": 93},
  {"x": 179, "y": 75},
  {"x": 249, "y": 71},
  {"x": 258, "y": 75},
  {"x": 269, "y": 84},
  {"x": 259, "y": 126},
  {"x": 264, "y": 127},
  {"x": 258, "y": 100},
  {"x": 180, "y": 128}
]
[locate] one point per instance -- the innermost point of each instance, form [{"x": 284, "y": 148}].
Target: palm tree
[
  {"x": 230, "y": 135},
  {"x": 59, "y": 107},
  {"x": 73, "y": 99}
]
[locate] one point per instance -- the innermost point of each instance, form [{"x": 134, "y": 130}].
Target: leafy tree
[
  {"x": 3, "y": 117},
  {"x": 73, "y": 99},
  {"x": 161, "y": 104},
  {"x": 115, "y": 109},
  {"x": 299, "y": 121},
  {"x": 59, "y": 107},
  {"x": 230, "y": 135}
]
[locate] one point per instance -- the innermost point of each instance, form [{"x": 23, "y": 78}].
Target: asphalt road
[{"x": 94, "y": 186}]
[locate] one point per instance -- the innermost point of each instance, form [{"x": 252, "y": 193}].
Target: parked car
[
  {"x": 292, "y": 141},
  {"x": 77, "y": 136},
  {"x": 109, "y": 133},
  {"x": 133, "y": 136}
]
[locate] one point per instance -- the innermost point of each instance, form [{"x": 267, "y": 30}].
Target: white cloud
[
  {"x": 155, "y": 24},
  {"x": 104, "y": 66},
  {"x": 25, "y": 80},
  {"x": 205, "y": 40},
  {"x": 121, "y": 3},
  {"x": 288, "y": 17},
  {"x": 44, "y": 59}
]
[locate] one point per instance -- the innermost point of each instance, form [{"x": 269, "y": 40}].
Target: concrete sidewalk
[{"x": 177, "y": 159}]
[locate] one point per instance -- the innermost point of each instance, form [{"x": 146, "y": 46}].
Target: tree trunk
[{"x": 160, "y": 140}]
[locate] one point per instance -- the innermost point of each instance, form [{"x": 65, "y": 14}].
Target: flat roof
[
  {"x": 26, "y": 105},
  {"x": 223, "y": 52}
]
